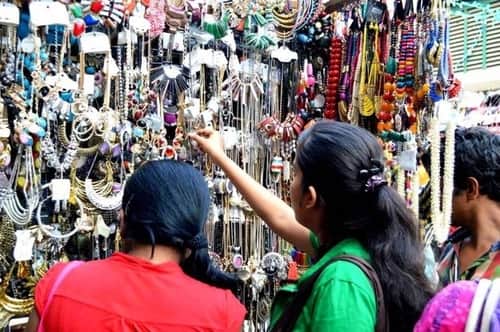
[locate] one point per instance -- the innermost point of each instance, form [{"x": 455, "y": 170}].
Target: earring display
[{"x": 91, "y": 90}]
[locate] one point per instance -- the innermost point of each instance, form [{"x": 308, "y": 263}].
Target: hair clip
[{"x": 374, "y": 182}]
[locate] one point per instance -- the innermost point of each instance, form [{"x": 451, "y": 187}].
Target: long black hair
[
  {"x": 338, "y": 160},
  {"x": 166, "y": 203}
]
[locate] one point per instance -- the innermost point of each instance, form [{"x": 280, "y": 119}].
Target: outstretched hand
[{"x": 209, "y": 141}]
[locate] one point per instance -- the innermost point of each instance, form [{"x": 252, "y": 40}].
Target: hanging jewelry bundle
[{"x": 93, "y": 89}]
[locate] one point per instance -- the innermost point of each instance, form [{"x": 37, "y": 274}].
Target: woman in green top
[{"x": 340, "y": 205}]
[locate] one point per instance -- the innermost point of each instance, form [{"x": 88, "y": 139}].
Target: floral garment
[{"x": 487, "y": 266}]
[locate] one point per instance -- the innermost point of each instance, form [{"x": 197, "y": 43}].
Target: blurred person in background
[{"x": 472, "y": 251}]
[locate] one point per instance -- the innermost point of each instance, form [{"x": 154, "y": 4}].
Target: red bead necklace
[{"x": 333, "y": 79}]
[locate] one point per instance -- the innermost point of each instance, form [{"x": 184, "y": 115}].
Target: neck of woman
[{"x": 159, "y": 255}]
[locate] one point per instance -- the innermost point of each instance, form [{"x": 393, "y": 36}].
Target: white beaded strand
[
  {"x": 435, "y": 178},
  {"x": 449, "y": 172},
  {"x": 441, "y": 200},
  {"x": 400, "y": 182},
  {"x": 415, "y": 190}
]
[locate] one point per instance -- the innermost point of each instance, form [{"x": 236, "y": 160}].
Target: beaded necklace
[
  {"x": 406, "y": 63},
  {"x": 349, "y": 62},
  {"x": 441, "y": 200},
  {"x": 367, "y": 90},
  {"x": 334, "y": 72}
]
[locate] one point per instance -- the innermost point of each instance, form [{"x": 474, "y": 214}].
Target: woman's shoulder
[
  {"x": 217, "y": 302},
  {"x": 46, "y": 284},
  {"x": 202, "y": 289},
  {"x": 343, "y": 285},
  {"x": 55, "y": 272},
  {"x": 340, "y": 269}
]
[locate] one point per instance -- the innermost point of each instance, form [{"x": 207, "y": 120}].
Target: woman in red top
[{"x": 163, "y": 282}]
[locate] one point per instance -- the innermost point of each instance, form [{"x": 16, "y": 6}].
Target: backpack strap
[
  {"x": 289, "y": 317},
  {"x": 62, "y": 275}
]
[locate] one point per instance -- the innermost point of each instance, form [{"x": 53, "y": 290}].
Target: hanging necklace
[
  {"x": 216, "y": 27},
  {"x": 12, "y": 206},
  {"x": 102, "y": 187},
  {"x": 334, "y": 72},
  {"x": 415, "y": 189},
  {"x": 347, "y": 61},
  {"x": 67, "y": 142},
  {"x": 105, "y": 203},
  {"x": 51, "y": 154},
  {"x": 362, "y": 79},
  {"x": 368, "y": 89},
  {"x": 285, "y": 23},
  {"x": 11, "y": 305},
  {"x": 441, "y": 210},
  {"x": 49, "y": 230}
]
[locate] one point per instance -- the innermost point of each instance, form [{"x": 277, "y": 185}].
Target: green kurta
[{"x": 343, "y": 298}]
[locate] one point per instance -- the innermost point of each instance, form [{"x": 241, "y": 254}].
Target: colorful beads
[{"x": 407, "y": 53}]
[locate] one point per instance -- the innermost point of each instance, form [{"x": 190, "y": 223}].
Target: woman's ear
[{"x": 310, "y": 197}]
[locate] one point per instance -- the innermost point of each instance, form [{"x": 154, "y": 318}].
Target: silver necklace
[
  {"x": 11, "y": 204},
  {"x": 52, "y": 157},
  {"x": 105, "y": 203}
]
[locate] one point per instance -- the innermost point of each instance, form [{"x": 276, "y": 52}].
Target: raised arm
[{"x": 275, "y": 213}]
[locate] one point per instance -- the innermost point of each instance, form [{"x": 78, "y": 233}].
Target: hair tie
[
  {"x": 374, "y": 182},
  {"x": 197, "y": 242},
  {"x": 373, "y": 177}
]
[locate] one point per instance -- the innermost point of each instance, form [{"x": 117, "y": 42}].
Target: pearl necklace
[{"x": 441, "y": 217}]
